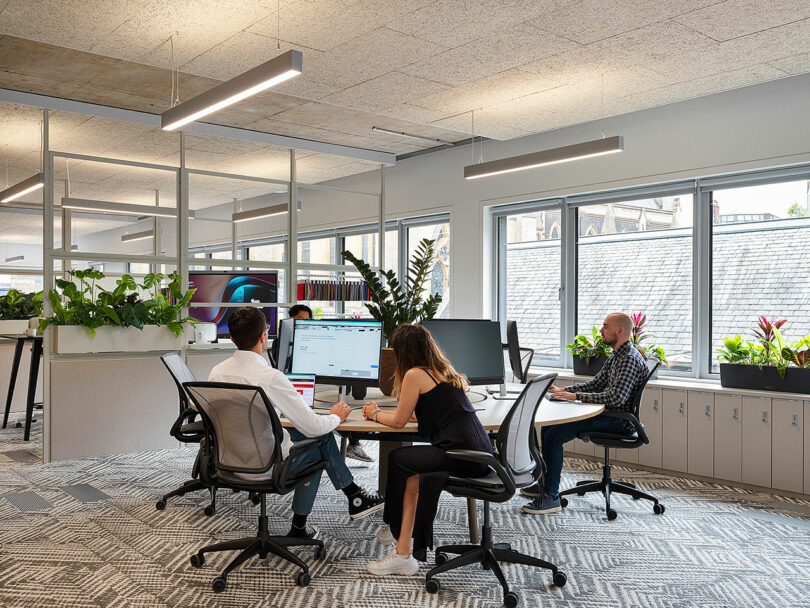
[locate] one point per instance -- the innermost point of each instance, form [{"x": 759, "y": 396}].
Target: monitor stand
[
  {"x": 503, "y": 394},
  {"x": 343, "y": 393}
]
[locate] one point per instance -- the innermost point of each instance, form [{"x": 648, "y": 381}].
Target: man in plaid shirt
[{"x": 624, "y": 371}]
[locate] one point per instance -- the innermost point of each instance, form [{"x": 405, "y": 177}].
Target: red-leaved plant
[{"x": 766, "y": 333}]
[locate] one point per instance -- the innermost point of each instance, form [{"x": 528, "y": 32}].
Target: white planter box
[
  {"x": 14, "y": 327},
  {"x": 74, "y": 339}
]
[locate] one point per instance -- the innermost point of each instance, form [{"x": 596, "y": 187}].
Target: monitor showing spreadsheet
[{"x": 338, "y": 351}]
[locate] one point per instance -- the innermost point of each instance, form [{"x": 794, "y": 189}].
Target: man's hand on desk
[
  {"x": 561, "y": 393},
  {"x": 341, "y": 410}
]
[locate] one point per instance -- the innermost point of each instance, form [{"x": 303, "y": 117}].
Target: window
[
  {"x": 759, "y": 238},
  {"x": 138, "y": 268},
  {"x": 273, "y": 252},
  {"x": 439, "y": 279},
  {"x": 26, "y": 283},
  {"x": 636, "y": 256},
  {"x": 529, "y": 252}
]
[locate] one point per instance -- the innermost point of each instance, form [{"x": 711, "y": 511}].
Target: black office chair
[
  {"x": 629, "y": 440},
  {"x": 242, "y": 451},
  {"x": 517, "y": 464},
  {"x": 520, "y": 359},
  {"x": 186, "y": 430}
]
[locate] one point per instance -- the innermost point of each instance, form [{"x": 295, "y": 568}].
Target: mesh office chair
[
  {"x": 517, "y": 464},
  {"x": 628, "y": 440},
  {"x": 186, "y": 430},
  {"x": 243, "y": 452}
]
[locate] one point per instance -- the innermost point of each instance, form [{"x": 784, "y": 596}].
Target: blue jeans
[
  {"x": 326, "y": 449},
  {"x": 553, "y": 437}
]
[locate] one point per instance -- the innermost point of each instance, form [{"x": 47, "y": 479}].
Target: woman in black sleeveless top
[{"x": 429, "y": 388}]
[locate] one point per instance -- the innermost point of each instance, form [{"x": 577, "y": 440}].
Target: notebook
[{"x": 305, "y": 385}]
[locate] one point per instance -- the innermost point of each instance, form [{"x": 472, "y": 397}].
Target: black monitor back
[{"x": 473, "y": 346}]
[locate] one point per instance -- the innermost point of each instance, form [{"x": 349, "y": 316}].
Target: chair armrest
[
  {"x": 281, "y": 473},
  {"x": 299, "y": 447},
  {"x": 185, "y": 417},
  {"x": 631, "y": 418},
  {"x": 490, "y": 461}
]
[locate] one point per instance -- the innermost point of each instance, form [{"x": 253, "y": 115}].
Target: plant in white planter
[
  {"x": 17, "y": 308},
  {"x": 96, "y": 309}
]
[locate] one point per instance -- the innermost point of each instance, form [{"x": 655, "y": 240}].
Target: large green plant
[
  {"x": 589, "y": 348},
  {"x": 83, "y": 304},
  {"x": 17, "y": 306},
  {"x": 770, "y": 349},
  {"x": 393, "y": 303}
]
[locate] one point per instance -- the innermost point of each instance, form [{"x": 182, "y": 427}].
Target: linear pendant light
[
  {"x": 16, "y": 258},
  {"x": 137, "y": 236},
  {"x": 411, "y": 136},
  {"x": 24, "y": 187},
  {"x": 254, "y": 214},
  {"x": 82, "y": 204},
  {"x": 564, "y": 154},
  {"x": 253, "y": 81}
]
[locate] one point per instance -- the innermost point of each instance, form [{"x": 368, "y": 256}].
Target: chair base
[
  {"x": 490, "y": 555},
  {"x": 260, "y": 545},
  {"x": 608, "y": 486},
  {"x": 191, "y": 485}
]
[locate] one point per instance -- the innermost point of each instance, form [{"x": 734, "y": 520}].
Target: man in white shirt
[{"x": 248, "y": 330}]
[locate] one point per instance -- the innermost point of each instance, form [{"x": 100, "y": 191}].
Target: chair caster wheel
[
  {"x": 560, "y": 579},
  {"x": 510, "y": 600},
  {"x": 611, "y": 514},
  {"x": 563, "y": 502},
  {"x": 320, "y": 552},
  {"x": 658, "y": 509},
  {"x": 441, "y": 558},
  {"x": 197, "y": 560},
  {"x": 255, "y": 499},
  {"x": 302, "y": 579},
  {"x": 262, "y": 554},
  {"x": 209, "y": 510},
  {"x": 218, "y": 585},
  {"x": 160, "y": 505},
  {"x": 432, "y": 586}
]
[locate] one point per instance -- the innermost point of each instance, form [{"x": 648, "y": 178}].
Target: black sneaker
[
  {"x": 542, "y": 505},
  {"x": 310, "y": 532},
  {"x": 363, "y": 504},
  {"x": 532, "y": 491}
]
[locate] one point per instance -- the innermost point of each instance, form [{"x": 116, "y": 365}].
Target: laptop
[{"x": 305, "y": 385}]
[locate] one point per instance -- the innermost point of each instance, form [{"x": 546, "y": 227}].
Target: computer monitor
[
  {"x": 340, "y": 351},
  {"x": 473, "y": 346},
  {"x": 304, "y": 384},
  {"x": 285, "y": 340},
  {"x": 232, "y": 287}
]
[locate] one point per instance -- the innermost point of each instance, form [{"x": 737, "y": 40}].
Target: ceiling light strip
[
  {"x": 82, "y": 204},
  {"x": 264, "y": 76},
  {"x": 16, "y": 258},
  {"x": 564, "y": 154},
  {"x": 254, "y": 214},
  {"x": 21, "y": 188},
  {"x": 432, "y": 140},
  {"x": 137, "y": 236}
]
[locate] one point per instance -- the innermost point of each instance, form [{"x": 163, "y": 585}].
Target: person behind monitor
[
  {"x": 248, "y": 330},
  {"x": 429, "y": 387},
  {"x": 623, "y": 372},
  {"x": 303, "y": 312}
]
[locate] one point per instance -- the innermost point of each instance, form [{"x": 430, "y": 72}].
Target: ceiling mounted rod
[
  {"x": 564, "y": 154},
  {"x": 432, "y": 140},
  {"x": 264, "y": 76},
  {"x": 21, "y": 188},
  {"x": 137, "y": 236}
]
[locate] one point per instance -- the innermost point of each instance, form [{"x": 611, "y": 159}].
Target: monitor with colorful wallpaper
[{"x": 235, "y": 288}]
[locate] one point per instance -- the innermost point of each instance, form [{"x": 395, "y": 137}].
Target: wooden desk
[{"x": 491, "y": 413}]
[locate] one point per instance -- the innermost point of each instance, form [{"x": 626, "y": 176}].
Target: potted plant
[
  {"x": 637, "y": 336},
  {"x": 393, "y": 303},
  {"x": 17, "y": 309},
  {"x": 96, "y": 320},
  {"x": 589, "y": 354},
  {"x": 769, "y": 363}
]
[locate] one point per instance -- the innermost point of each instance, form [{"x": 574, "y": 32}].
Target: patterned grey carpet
[
  {"x": 86, "y": 534},
  {"x": 13, "y": 448}
]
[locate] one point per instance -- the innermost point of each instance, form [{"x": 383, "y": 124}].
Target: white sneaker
[
  {"x": 394, "y": 563},
  {"x": 384, "y": 537}
]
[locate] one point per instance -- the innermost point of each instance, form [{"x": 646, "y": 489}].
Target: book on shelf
[{"x": 330, "y": 290}]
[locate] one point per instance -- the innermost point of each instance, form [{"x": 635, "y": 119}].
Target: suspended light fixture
[
  {"x": 410, "y": 136},
  {"x": 137, "y": 236},
  {"x": 24, "y": 187},
  {"x": 264, "y": 76},
  {"x": 564, "y": 154},
  {"x": 16, "y": 258},
  {"x": 254, "y": 214},
  {"x": 82, "y": 204}
]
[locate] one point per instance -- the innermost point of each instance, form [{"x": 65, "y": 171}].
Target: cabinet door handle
[
  {"x": 736, "y": 414},
  {"x": 765, "y": 416},
  {"x": 655, "y": 404},
  {"x": 795, "y": 420},
  {"x": 709, "y": 410},
  {"x": 681, "y": 408}
]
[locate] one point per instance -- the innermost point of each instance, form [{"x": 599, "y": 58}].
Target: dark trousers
[{"x": 433, "y": 467}]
